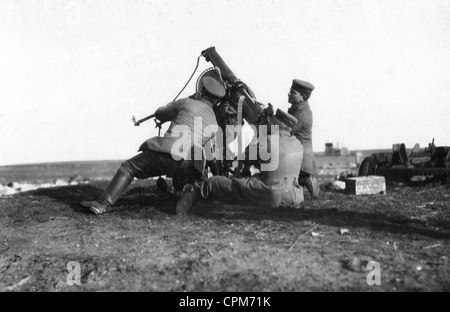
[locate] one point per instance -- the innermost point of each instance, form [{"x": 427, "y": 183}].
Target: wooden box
[{"x": 368, "y": 185}]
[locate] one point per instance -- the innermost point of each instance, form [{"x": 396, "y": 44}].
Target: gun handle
[{"x": 137, "y": 123}]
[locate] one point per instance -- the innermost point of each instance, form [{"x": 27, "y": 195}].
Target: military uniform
[
  {"x": 303, "y": 131},
  {"x": 275, "y": 187},
  {"x": 159, "y": 155}
]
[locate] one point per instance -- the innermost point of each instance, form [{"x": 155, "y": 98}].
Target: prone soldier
[{"x": 275, "y": 186}]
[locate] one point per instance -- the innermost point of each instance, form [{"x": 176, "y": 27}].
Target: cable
[{"x": 198, "y": 61}]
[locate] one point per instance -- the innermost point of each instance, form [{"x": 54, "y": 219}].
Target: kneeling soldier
[{"x": 157, "y": 157}]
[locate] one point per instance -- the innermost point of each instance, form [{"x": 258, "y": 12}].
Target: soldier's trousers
[
  {"x": 221, "y": 188},
  {"x": 251, "y": 190},
  {"x": 151, "y": 163}
]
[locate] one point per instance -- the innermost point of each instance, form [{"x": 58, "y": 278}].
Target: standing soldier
[
  {"x": 274, "y": 187},
  {"x": 298, "y": 96},
  {"x": 158, "y": 155}
]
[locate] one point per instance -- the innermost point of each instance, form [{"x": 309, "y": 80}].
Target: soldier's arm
[
  {"x": 304, "y": 121},
  {"x": 296, "y": 128},
  {"x": 167, "y": 112}
]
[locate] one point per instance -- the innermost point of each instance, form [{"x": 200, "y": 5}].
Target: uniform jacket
[
  {"x": 277, "y": 187},
  {"x": 303, "y": 131},
  {"x": 182, "y": 113}
]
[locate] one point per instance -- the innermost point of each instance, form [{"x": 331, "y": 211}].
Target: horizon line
[{"x": 317, "y": 153}]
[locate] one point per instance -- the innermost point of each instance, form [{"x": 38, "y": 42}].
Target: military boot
[
  {"x": 111, "y": 195},
  {"x": 161, "y": 185},
  {"x": 191, "y": 195},
  {"x": 312, "y": 186}
]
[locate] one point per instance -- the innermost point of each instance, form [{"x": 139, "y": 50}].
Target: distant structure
[
  {"x": 336, "y": 160},
  {"x": 331, "y": 151}
]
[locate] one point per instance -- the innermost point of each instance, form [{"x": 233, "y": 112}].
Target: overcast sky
[{"x": 72, "y": 73}]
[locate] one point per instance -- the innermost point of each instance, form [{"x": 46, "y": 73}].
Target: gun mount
[
  {"x": 400, "y": 165},
  {"x": 239, "y": 98}
]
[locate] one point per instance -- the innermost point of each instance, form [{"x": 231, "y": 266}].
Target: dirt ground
[{"x": 141, "y": 245}]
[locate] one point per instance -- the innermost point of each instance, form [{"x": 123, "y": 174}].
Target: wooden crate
[{"x": 367, "y": 185}]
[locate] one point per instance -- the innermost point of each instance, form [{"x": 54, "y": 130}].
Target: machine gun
[{"x": 239, "y": 97}]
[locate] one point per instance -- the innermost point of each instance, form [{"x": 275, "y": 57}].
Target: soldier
[
  {"x": 276, "y": 186},
  {"x": 298, "y": 96},
  {"x": 158, "y": 155}
]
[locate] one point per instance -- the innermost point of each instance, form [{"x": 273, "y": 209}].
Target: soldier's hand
[
  {"x": 246, "y": 172},
  {"x": 296, "y": 128},
  {"x": 269, "y": 110},
  {"x": 158, "y": 123}
]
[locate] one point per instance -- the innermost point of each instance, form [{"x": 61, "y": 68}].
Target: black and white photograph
[{"x": 247, "y": 148}]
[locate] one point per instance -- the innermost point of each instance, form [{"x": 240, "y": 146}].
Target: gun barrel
[{"x": 212, "y": 56}]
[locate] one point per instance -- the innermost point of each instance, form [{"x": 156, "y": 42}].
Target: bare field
[
  {"x": 48, "y": 172},
  {"x": 141, "y": 245}
]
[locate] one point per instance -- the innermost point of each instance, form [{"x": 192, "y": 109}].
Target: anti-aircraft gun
[
  {"x": 239, "y": 98},
  {"x": 239, "y": 95}
]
